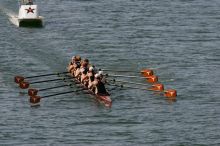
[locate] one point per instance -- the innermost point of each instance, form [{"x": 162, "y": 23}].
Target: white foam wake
[{"x": 12, "y": 16}]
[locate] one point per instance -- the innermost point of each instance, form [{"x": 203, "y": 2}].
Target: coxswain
[
  {"x": 99, "y": 86},
  {"x": 103, "y": 79}
]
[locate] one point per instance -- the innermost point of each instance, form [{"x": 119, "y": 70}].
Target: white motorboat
[{"x": 28, "y": 15}]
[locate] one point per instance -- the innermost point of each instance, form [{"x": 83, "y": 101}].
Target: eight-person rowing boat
[
  {"x": 90, "y": 79},
  {"x": 93, "y": 81}
]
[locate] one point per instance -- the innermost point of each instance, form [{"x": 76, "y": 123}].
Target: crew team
[{"x": 88, "y": 75}]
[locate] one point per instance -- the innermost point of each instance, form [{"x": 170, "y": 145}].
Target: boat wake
[{"x": 12, "y": 16}]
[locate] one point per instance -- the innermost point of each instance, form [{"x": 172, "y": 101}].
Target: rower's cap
[
  {"x": 97, "y": 76},
  {"x": 100, "y": 72},
  {"x": 91, "y": 68}
]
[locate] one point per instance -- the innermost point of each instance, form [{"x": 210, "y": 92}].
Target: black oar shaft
[
  {"x": 128, "y": 82},
  {"x": 53, "y": 87},
  {"x": 45, "y": 81},
  {"x": 149, "y": 89},
  {"x": 51, "y": 80},
  {"x": 129, "y": 87},
  {"x": 59, "y": 93},
  {"x": 50, "y": 74},
  {"x": 119, "y": 70},
  {"x": 125, "y": 76}
]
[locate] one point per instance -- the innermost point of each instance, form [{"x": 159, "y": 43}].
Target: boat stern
[
  {"x": 30, "y": 22},
  {"x": 28, "y": 12},
  {"x": 29, "y": 17}
]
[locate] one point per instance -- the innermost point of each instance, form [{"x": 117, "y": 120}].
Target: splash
[{"x": 12, "y": 16}]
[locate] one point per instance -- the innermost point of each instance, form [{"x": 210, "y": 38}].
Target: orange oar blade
[
  {"x": 18, "y": 79},
  {"x": 34, "y": 99},
  {"x": 32, "y": 92},
  {"x": 147, "y": 72},
  {"x": 170, "y": 94},
  {"x": 157, "y": 87},
  {"x": 152, "y": 79},
  {"x": 24, "y": 85}
]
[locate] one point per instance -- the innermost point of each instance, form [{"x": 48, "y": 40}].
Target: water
[{"x": 178, "y": 39}]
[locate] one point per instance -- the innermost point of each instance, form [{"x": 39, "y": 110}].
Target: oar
[
  {"x": 145, "y": 72},
  {"x": 25, "y": 84},
  {"x": 32, "y": 91},
  {"x": 19, "y": 79},
  {"x": 36, "y": 99},
  {"x": 150, "y": 79},
  {"x": 169, "y": 93},
  {"x": 154, "y": 87}
]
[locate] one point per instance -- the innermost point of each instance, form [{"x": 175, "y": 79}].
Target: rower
[
  {"x": 74, "y": 64},
  {"x": 70, "y": 66},
  {"x": 84, "y": 77},
  {"x": 99, "y": 86},
  {"x": 91, "y": 76},
  {"x": 84, "y": 64}
]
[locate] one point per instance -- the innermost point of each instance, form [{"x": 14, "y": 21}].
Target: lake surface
[{"x": 178, "y": 39}]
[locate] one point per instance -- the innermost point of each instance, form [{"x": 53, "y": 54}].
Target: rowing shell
[{"x": 101, "y": 98}]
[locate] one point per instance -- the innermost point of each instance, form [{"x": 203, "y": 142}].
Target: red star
[{"x": 29, "y": 10}]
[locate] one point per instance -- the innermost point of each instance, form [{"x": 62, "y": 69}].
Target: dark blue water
[{"x": 179, "y": 39}]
